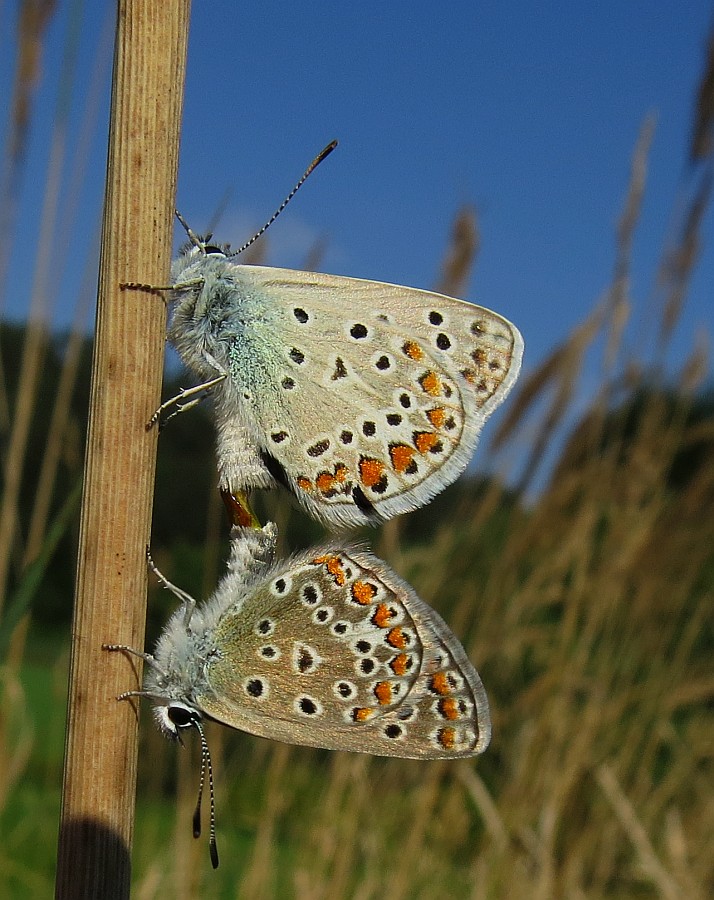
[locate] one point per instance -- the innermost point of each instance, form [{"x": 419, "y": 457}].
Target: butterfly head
[
  {"x": 201, "y": 245},
  {"x": 175, "y": 717},
  {"x": 174, "y": 677},
  {"x": 216, "y": 249}
]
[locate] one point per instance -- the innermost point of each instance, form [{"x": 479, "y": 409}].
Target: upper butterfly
[{"x": 364, "y": 399}]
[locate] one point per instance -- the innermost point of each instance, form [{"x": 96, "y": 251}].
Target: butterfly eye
[
  {"x": 214, "y": 249},
  {"x": 181, "y": 717}
]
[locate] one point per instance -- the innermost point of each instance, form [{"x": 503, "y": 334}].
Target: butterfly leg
[
  {"x": 157, "y": 288},
  {"x": 122, "y": 648},
  {"x": 189, "y": 604},
  {"x": 183, "y": 394},
  {"x": 130, "y": 651}
]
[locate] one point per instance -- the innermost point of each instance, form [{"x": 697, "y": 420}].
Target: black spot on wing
[
  {"x": 275, "y": 468},
  {"x": 363, "y": 504}
]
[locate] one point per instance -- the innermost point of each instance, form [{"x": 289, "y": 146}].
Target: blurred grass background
[{"x": 582, "y": 587}]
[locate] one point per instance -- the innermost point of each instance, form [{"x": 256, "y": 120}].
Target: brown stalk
[
  {"x": 33, "y": 19},
  {"x": 458, "y": 263},
  {"x": 348, "y": 849},
  {"x": 35, "y": 337},
  {"x": 45, "y": 482},
  {"x": 257, "y": 882},
  {"x": 425, "y": 802},
  {"x": 627, "y": 817},
  {"x": 54, "y": 444},
  {"x": 682, "y": 258},
  {"x": 96, "y": 827},
  {"x": 619, "y": 299},
  {"x": 703, "y": 127},
  {"x": 58, "y": 423}
]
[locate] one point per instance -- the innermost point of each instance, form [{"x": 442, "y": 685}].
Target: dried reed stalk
[
  {"x": 96, "y": 828},
  {"x": 36, "y": 334},
  {"x": 702, "y": 145},
  {"x": 32, "y": 21}
]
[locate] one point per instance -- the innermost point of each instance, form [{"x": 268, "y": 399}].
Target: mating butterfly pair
[{"x": 364, "y": 400}]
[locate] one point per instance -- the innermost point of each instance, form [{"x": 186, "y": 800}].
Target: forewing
[{"x": 333, "y": 650}]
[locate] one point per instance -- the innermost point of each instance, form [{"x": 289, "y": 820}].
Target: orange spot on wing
[
  {"x": 363, "y": 592},
  {"x": 396, "y": 638},
  {"x": 304, "y": 483},
  {"x": 328, "y": 483},
  {"x": 370, "y": 471},
  {"x": 436, "y": 416},
  {"x": 413, "y": 350},
  {"x": 430, "y": 384},
  {"x": 382, "y": 616},
  {"x": 448, "y": 708},
  {"x": 401, "y": 455},
  {"x": 440, "y": 683},
  {"x": 361, "y": 713},
  {"x": 399, "y": 664},
  {"x": 333, "y": 565},
  {"x": 383, "y": 692},
  {"x": 426, "y": 441},
  {"x": 325, "y": 482},
  {"x": 447, "y": 738}
]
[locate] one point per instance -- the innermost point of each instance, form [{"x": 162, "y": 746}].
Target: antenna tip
[
  {"x": 313, "y": 165},
  {"x": 214, "y": 854},
  {"x": 323, "y": 154},
  {"x": 329, "y": 148}
]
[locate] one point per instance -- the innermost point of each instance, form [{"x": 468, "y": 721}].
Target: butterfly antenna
[
  {"x": 206, "y": 766},
  {"x": 192, "y": 236},
  {"x": 306, "y": 174}
]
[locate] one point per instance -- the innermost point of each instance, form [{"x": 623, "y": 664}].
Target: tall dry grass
[
  {"x": 587, "y": 607},
  {"x": 34, "y": 515},
  {"x": 588, "y": 611}
]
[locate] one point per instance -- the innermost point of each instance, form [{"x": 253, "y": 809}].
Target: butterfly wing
[
  {"x": 366, "y": 399},
  {"x": 334, "y": 650}
]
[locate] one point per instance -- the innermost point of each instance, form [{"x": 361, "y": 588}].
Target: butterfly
[
  {"x": 363, "y": 399},
  {"x": 329, "y": 648}
]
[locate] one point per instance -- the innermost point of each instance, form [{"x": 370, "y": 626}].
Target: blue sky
[{"x": 529, "y": 111}]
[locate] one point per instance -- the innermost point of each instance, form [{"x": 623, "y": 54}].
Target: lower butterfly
[
  {"x": 329, "y": 648},
  {"x": 363, "y": 399}
]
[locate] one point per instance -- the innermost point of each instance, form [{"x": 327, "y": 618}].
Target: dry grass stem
[{"x": 100, "y": 756}]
